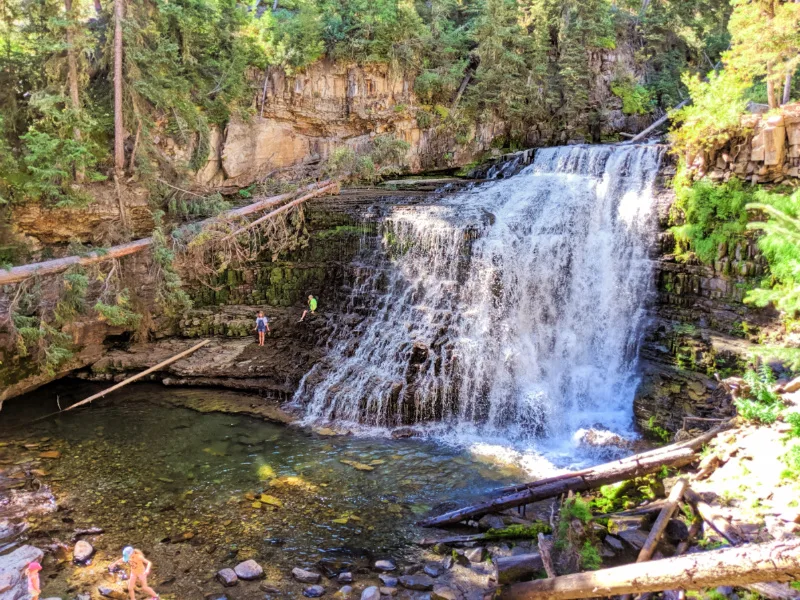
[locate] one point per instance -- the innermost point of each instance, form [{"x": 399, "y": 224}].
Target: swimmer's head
[{"x": 127, "y": 552}]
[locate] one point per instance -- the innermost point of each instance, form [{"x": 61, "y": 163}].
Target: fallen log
[
  {"x": 58, "y": 265},
  {"x": 774, "y": 590},
  {"x": 739, "y": 566},
  {"x": 653, "y": 507},
  {"x": 646, "y": 553},
  {"x": 715, "y": 520},
  {"x": 675, "y": 495},
  {"x": 597, "y": 477},
  {"x": 695, "y": 444}
]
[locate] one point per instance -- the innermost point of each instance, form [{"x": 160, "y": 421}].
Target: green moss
[
  {"x": 518, "y": 531},
  {"x": 590, "y": 557}
]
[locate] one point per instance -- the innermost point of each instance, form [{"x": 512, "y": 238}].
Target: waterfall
[{"x": 513, "y": 309}]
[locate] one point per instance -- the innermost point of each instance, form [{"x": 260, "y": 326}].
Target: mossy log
[{"x": 739, "y": 566}]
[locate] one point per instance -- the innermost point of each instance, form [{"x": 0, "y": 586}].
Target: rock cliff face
[
  {"x": 699, "y": 329},
  {"x": 766, "y": 151}
]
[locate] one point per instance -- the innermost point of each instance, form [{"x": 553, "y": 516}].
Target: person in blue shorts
[{"x": 262, "y": 326}]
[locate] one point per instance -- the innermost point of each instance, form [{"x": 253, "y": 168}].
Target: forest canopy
[{"x": 190, "y": 64}]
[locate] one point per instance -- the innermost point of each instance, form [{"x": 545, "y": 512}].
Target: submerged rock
[
  {"x": 304, "y": 576},
  {"x": 346, "y": 577},
  {"x": 82, "y": 552},
  {"x": 385, "y": 565},
  {"x": 371, "y": 593},
  {"x": 227, "y": 577},
  {"x": 433, "y": 569},
  {"x": 420, "y": 582},
  {"x": 388, "y": 591},
  {"x": 344, "y": 593},
  {"x": 249, "y": 570},
  {"x": 314, "y": 591},
  {"x": 388, "y": 580}
]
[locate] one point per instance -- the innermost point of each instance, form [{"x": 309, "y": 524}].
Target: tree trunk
[
  {"x": 772, "y": 98},
  {"x": 50, "y": 267},
  {"x": 599, "y": 476},
  {"x": 72, "y": 76},
  {"x": 787, "y": 89},
  {"x": 98, "y": 7},
  {"x": 119, "y": 125},
  {"x": 756, "y": 563}
]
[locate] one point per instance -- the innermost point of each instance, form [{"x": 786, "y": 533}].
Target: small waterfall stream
[{"x": 512, "y": 310}]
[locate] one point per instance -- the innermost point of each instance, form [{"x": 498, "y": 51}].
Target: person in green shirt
[{"x": 312, "y": 306}]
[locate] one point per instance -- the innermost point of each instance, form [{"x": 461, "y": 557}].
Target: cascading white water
[{"x": 510, "y": 310}]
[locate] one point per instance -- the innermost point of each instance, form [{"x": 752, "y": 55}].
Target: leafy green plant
[
  {"x": 120, "y": 313},
  {"x": 792, "y": 461},
  {"x": 761, "y": 405},
  {"x": 636, "y": 99}
]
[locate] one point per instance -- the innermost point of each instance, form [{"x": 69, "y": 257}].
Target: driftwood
[
  {"x": 131, "y": 379},
  {"x": 58, "y": 265},
  {"x": 652, "y": 507},
  {"x": 544, "y": 550},
  {"x": 602, "y": 475},
  {"x": 715, "y": 520},
  {"x": 644, "y": 133},
  {"x": 695, "y": 444},
  {"x": 739, "y": 566}
]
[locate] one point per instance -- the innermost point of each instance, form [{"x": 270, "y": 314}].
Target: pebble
[
  {"x": 270, "y": 589},
  {"x": 315, "y": 591},
  {"x": 227, "y": 577},
  {"x": 385, "y": 565},
  {"x": 371, "y": 593},
  {"x": 476, "y": 555},
  {"x": 249, "y": 570},
  {"x": 346, "y": 577},
  {"x": 110, "y": 592},
  {"x": 304, "y": 576},
  {"x": 388, "y": 591},
  {"x": 433, "y": 569},
  {"x": 443, "y": 593},
  {"x": 421, "y": 582},
  {"x": 82, "y": 552},
  {"x": 388, "y": 580}
]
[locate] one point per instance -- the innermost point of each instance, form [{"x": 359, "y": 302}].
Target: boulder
[
  {"x": 304, "y": 576},
  {"x": 227, "y": 577},
  {"x": 420, "y": 582},
  {"x": 444, "y": 593},
  {"x": 434, "y": 569},
  {"x": 488, "y": 522},
  {"x": 13, "y": 584},
  {"x": 476, "y": 555},
  {"x": 82, "y": 552},
  {"x": 314, "y": 591},
  {"x": 517, "y": 568},
  {"x": 249, "y": 570},
  {"x": 371, "y": 593}
]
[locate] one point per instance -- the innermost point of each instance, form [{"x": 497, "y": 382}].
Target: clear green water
[{"x": 153, "y": 475}]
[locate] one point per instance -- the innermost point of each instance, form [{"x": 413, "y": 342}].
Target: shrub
[
  {"x": 762, "y": 405},
  {"x": 636, "y": 99}
]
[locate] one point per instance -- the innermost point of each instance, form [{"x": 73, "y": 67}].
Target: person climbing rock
[
  {"x": 312, "y": 306},
  {"x": 262, "y": 326},
  {"x": 140, "y": 569},
  {"x": 32, "y": 572}
]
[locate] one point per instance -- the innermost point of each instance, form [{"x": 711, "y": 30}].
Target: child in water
[
  {"x": 312, "y": 306},
  {"x": 140, "y": 569},
  {"x": 32, "y": 571},
  {"x": 262, "y": 326}
]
